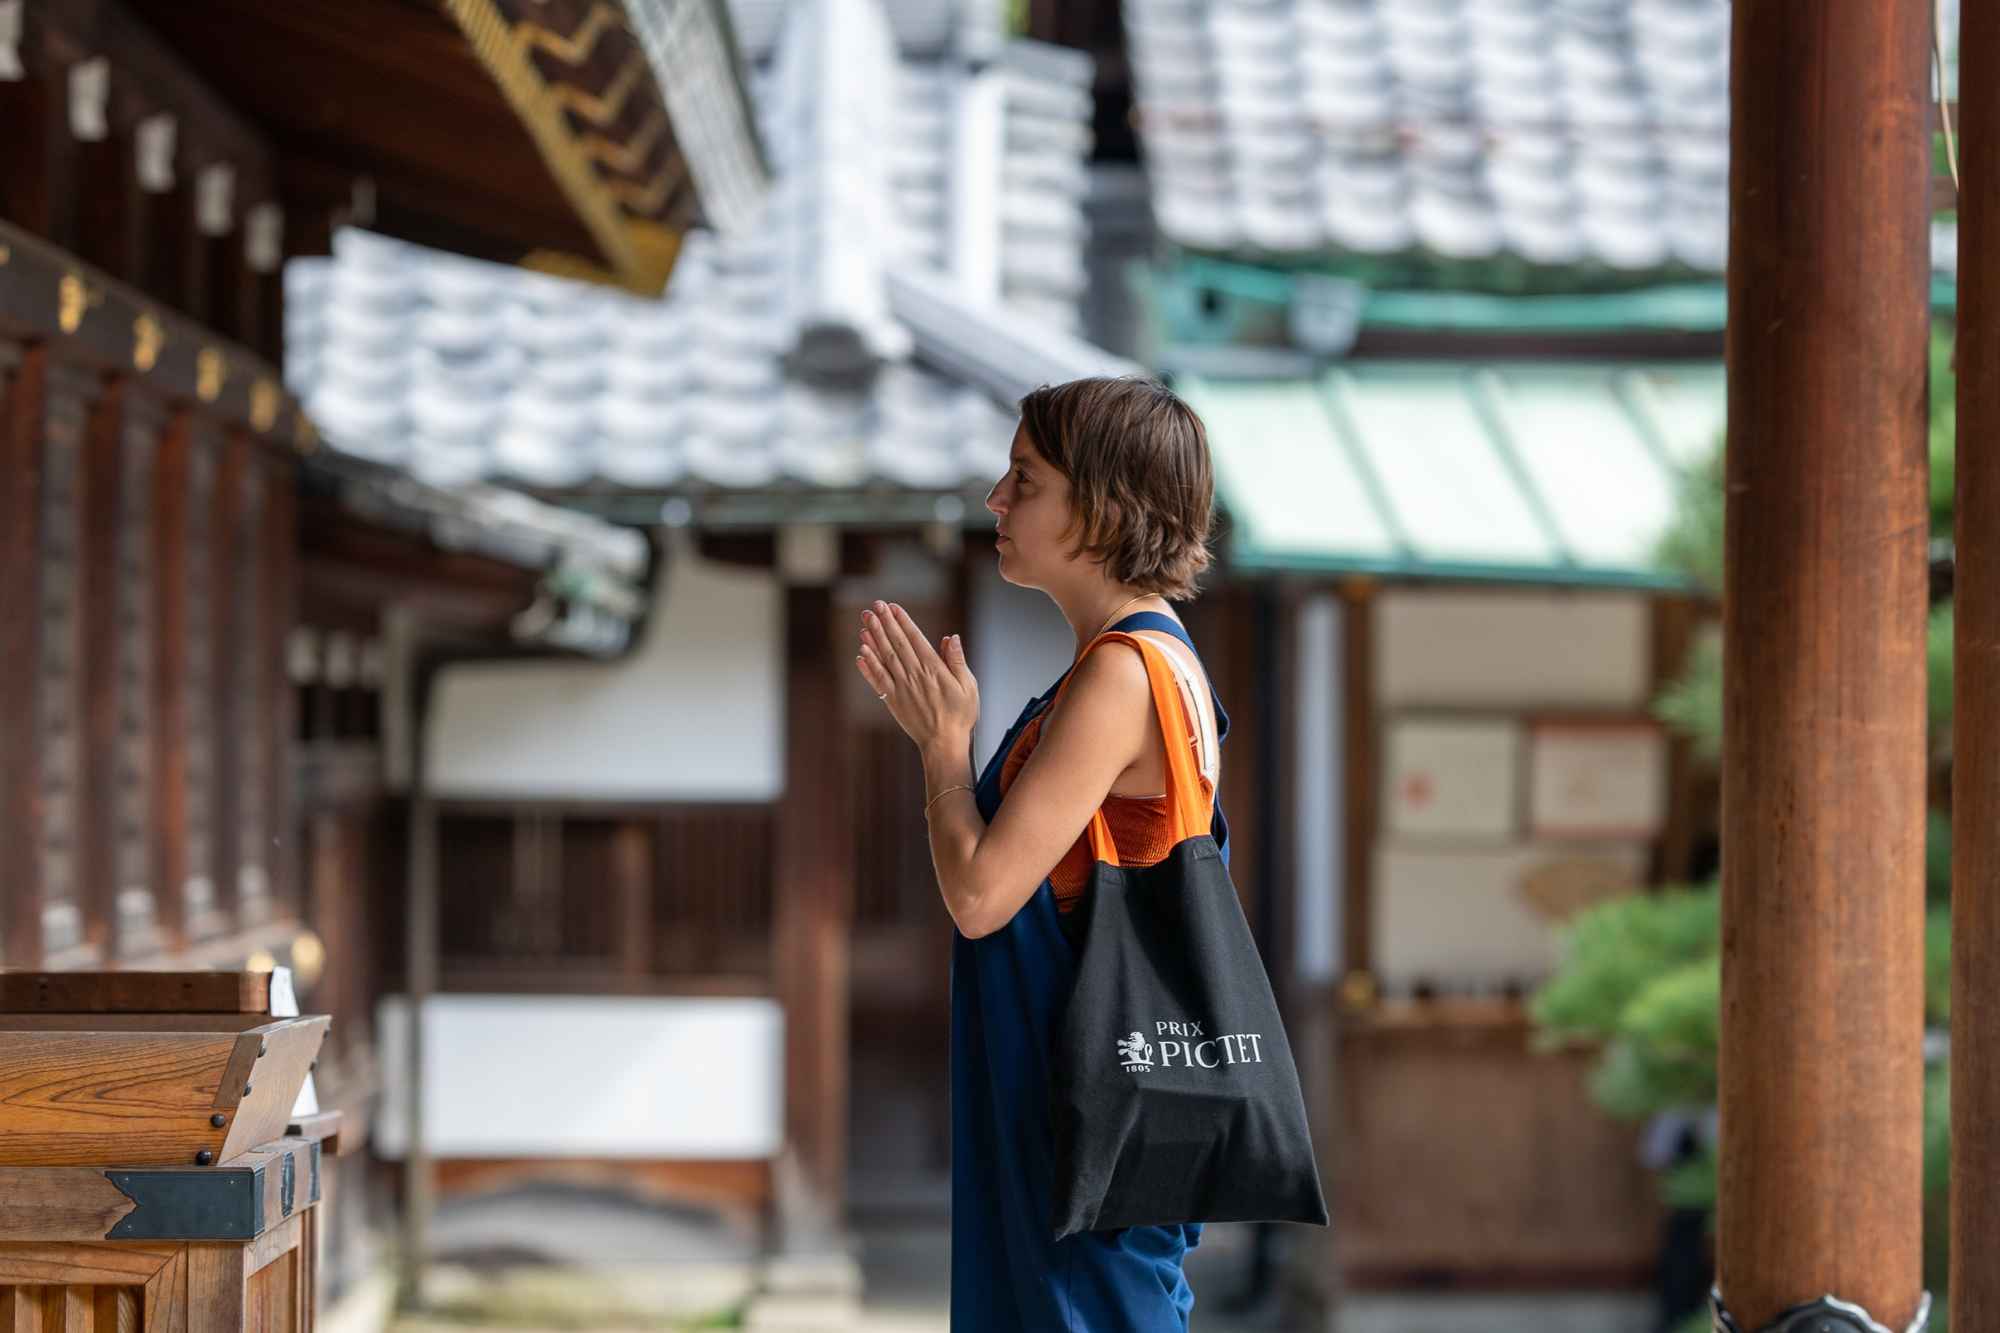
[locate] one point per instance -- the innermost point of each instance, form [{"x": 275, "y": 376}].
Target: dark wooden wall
[{"x": 149, "y": 584}]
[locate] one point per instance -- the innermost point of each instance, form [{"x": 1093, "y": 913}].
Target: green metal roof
[{"x": 1533, "y": 472}]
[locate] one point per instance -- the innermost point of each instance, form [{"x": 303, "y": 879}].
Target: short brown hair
[{"x": 1136, "y": 457}]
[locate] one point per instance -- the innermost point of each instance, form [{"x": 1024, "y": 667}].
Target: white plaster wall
[
  {"x": 621, "y": 1076},
  {"x": 695, "y": 712},
  {"x": 1501, "y": 648}
]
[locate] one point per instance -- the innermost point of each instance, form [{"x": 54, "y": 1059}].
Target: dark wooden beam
[
  {"x": 111, "y": 206},
  {"x": 47, "y": 293},
  {"x": 1975, "y": 778},
  {"x": 347, "y": 560},
  {"x": 1824, "y": 603},
  {"x": 38, "y": 170}
]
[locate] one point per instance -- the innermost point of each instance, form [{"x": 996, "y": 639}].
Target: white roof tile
[{"x": 1564, "y": 131}]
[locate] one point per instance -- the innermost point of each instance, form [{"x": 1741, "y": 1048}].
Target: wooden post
[
  {"x": 1823, "y": 625},
  {"x": 1358, "y": 783},
  {"x": 1975, "y": 777},
  {"x": 814, "y": 871}
]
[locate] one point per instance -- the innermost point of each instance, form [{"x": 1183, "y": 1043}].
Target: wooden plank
[
  {"x": 65, "y": 1309},
  {"x": 216, "y": 1288},
  {"x": 285, "y": 1053},
  {"x": 157, "y": 1091},
  {"x": 49, "y": 1203},
  {"x": 83, "y": 1264},
  {"x": 1465, "y": 1155},
  {"x": 116, "y": 1309},
  {"x": 160, "y": 1203},
  {"x": 135, "y": 992},
  {"x": 1824, "y": 604},
  {"x": 146, "y": 1089},
  {"x": 20, "y": 629},
  {"x": 632, "y": 868},
  {"x": 275, "y": 1244},
  {"x": 1975, "y": 767}
]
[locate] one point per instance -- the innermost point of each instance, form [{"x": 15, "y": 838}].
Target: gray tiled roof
[
  {"x": 1559, "y": 131},
  {"x": 773, "y": 360}
]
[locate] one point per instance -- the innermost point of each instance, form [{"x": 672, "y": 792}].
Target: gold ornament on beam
[
  {"x": 264, "y": 405},
  {"x": 210, "y": 369},
  {"x": 147, "y": 338},
  {"x": 72, "y": 299}
]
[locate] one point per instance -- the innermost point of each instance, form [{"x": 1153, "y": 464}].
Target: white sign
[{"x": 1451, "y": 778}]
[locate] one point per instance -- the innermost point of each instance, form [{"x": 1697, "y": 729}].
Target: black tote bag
[{"x": 1175, "y": 1098}]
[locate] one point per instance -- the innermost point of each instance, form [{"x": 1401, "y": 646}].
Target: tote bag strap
[{"x": 1188, "y": 814}]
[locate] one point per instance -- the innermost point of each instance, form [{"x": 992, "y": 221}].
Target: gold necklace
[{"x": 1120, "y": 607}]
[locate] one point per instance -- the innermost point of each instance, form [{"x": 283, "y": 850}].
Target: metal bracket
[{"x": 1825, "y": 1315}]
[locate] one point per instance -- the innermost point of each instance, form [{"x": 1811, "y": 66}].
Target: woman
[{"x": 1107, "y": 507}]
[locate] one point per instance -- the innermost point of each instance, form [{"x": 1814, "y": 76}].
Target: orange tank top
[{"x": 1141, "y": 827}]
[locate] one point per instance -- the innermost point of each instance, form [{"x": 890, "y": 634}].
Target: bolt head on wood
[
  {"x": 204, "y": 1157},
  {"x": 218, "y": 1120}
]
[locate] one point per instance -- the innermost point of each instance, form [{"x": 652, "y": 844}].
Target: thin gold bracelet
[{"x": 947, "y": 791}]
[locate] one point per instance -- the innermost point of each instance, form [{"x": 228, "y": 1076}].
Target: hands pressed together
[{"x": 930, "y": 692}]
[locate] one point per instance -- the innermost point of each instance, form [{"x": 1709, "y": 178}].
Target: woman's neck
[{"x": 1090, "y": 616}]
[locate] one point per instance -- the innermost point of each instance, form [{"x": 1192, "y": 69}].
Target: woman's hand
[{"x": 932, "y": 693}]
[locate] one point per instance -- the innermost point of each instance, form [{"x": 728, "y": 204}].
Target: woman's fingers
[
  {"x": 907, "y": 657},
  {"x": 920, "y": 645},
  {"x": 871, "y": 671},
  {"x": 888, "y": 658}
]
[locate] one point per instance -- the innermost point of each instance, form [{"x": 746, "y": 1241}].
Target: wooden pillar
[
  {"x": 230, "y": 666},
  {"x": 99, "y": 666},
  {"x": 1824, "y": 606},
  {"x": 814, "y": 870},
  {"x": 1975, "y": 778}
]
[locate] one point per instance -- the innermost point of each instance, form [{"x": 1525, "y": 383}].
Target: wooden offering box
[{"x": 151, "y": 1175}]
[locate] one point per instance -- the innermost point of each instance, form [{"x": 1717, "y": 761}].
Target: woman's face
[{"x": 1032, "y": 505}]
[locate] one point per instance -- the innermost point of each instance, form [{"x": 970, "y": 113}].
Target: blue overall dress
[{"x": 1008, "y": 991}]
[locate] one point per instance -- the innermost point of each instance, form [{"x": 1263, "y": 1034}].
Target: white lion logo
[{"x": 1136, "y": 1052}]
